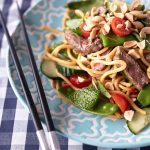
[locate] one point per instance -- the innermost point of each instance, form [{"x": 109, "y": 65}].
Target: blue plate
[{"x": 69, "y": 120}]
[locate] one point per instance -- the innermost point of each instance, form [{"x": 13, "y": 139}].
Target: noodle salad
[{"x": 103, "y": 64}]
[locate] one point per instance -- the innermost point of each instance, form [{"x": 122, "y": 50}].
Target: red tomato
[
  {"x": 133, "y": 91},
  {"x": 120, "y": 100},
  {"x": 74, "y": 79},
  {"x": 85, "y": 34},
  {"x": 123, "y": 31},
  {"x": 87, "y": 80}
]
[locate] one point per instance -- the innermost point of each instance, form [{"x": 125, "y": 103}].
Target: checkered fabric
[{"x": 17, "y": 131}]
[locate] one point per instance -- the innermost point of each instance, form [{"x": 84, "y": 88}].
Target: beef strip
[
  {"x": 147, "y": 57},
  {"x": 82, "y": 45},
  {"x": 133, "y": 70}
]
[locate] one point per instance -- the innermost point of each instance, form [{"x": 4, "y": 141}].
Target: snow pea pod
[
  {"x": 105, "y": 108},
  {"x": 112, "y": 40},
  {"x": 144, "y": 96}
]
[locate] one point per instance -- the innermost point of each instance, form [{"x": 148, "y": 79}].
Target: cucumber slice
[
  {"x": 139, "y": 121},
  {"x": 49, "y": 68}
]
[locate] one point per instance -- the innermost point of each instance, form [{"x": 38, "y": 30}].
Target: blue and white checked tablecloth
[{"x": 16, "y": 127}]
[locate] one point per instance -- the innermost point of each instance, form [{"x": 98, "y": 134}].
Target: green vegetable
[
  {"x": 107, "y": 4},
  {"x": 77, "y": 31},
  {"x": 139, "y": 121},
  {"x": 105, "y": 108},
  {"x": 144, "y": 96},
  {"x": 147, "y": 42},
  {"x": 49, "y": 68},
  {"x": 103, "y": 90},
  {"x": 112, "y": 40},
  {"x": 144, "y": 21},
  {"x": 141, "y": 7},
  {"x": 139, "y": 39},
  {"x": 74, "y": 23},
  {"x": 85, "y": 5},
  {"x": 88, "y": 99},
  {"x": 85, "y": 98},
  {"x": 63, "y": 53}
]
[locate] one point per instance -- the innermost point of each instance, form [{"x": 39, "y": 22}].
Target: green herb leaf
[
  {"x": 85, "y": 5},
  {"x": 148, "y": 42},
  {"x": 74, "y": 23},
  {"x": 77, "y": 31}
]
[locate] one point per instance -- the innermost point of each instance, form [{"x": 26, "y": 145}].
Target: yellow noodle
[
  {"x": 51, "y": 30},
  {"x": 113, "y": 75},
  {"x": 59, "y": 48},
  {"x": 111, "y": 54},
  {"x": 79, "y": 13},
  {"x": 119, "y": 62},
  {"x": 60, "y": 61},
  {"x": 66, "y": 80},
  {"x": 126, "y": 84},
  {"x": 124, "y": 88},
  {"x": 89, "y": 70},
  {"x": 71, "y": 56},
  {"x": 116, "y": 82},
  {"x": 96, "y": 54}
]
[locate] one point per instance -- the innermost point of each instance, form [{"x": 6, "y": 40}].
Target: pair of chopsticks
[{"x": 48, "y": 119}]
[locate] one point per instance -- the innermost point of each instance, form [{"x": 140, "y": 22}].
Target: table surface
[{"x": 17, "y": 131}]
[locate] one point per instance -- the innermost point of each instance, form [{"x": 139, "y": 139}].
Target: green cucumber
[
  {"x": 85, "y": 98},
  {"x": 49, "y": 68},
  {"x": 88, "y": 99},
  {"x": 139, "y": 121}
]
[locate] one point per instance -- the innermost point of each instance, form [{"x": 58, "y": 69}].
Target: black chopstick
[
  {"x": 48, "y": 118},
  {"x": 28, "y": 96}
]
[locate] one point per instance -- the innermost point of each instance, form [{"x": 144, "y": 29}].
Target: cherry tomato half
[
  {"x": 121, "y": 101},
  {"x": 85, "y": 34},
  {"x": 122, "y": 31},
  {"x": 87, "y": 80},
  {"x": 74, "y": 79}
]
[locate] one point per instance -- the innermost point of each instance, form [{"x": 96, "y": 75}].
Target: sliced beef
[
  {"x": 82, "y": 45},
  {"x": 133, "y": 70},
  {"x": 147, "y": 57}
]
